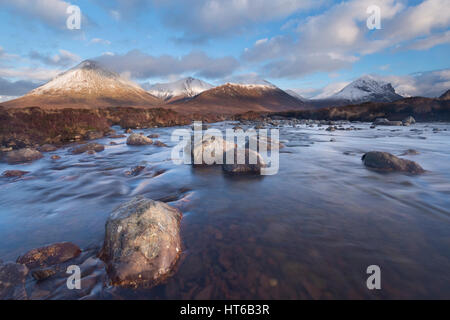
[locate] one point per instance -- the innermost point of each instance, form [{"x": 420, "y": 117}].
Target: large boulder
[
  {"x": 12, "y": 281},
  {"x": 204, "y": 151},
  {"x": 138, "y": 140},
  {"x": 383, "y": 161},
  {"x": 22, "y": 156},
  {"x": 49, "y": 255},
  {"x": 248, "y": 167},
  {"x": 90, "y": 147},
  {"x": 142, "y": 242}
]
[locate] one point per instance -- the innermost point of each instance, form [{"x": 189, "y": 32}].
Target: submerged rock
[
  {"x": 117, "y": 136},
  {"x": 142, "y": 242},
  {"x": 138, "y": 140},
  {"x": 410, "y": 152},
  {"x": 160, "y": 144},
  {"x": 49, "y": 255},
  {"x": 55, "y": 157},
  {"x": 249, "y": 167},
  {"x": 12, "y": 281},
  {"x": 43, "y": 274},
  {"x": 14, "y": 173},
  {"x": 153, "y": 136},
  {"x": 383, "y": 161},
  {"x": 90, "y": 147},
  {"x": 22, "y": 156},
  {"x": 135, "y": 171}
]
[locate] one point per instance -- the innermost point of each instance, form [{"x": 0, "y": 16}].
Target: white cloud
[
  {"x": 38, "y": 74},
  {"x": 431, "y": 41},
  {"x": 338, "y": 37},
  {"x": 51, "y": 12},
  {"x": 64, "y": 58},
  {"x": 141, "y": 65},
  {"x": 100, "y": 41}
]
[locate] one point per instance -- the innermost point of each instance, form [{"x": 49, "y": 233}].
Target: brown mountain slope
[
  {"x": 86, "y": 86},
  {"x": 422, "y": 109},
  {"x": 236, "y": 98}
]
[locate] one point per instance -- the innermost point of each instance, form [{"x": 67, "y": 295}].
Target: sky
[{"x": 315, "y": 47}]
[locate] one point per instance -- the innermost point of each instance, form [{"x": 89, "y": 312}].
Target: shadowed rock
[
  {"x": 43, "y": 274},
  {"x": 142, "y": 242},
  {"x": 22, "y": 156},
  {"x": 153, "y": 136},
  {"x": 248, "y": 167},
  {"x": 12, "y": 281},
  {"x": 49, "y": 255},
  {"x": 383, "y": 161},
  {"x": 90, "y": 147},
  {"x": 138, "y": 140}
]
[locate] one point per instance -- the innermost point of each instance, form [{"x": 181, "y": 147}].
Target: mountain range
[{"x": 90, "y": 85}]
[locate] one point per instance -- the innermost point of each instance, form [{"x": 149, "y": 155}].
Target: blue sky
[{"x": 313, "y": 46}]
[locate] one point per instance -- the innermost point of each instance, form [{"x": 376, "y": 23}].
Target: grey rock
[
  {"x": 49, "y": 255},
  {"x": 142, "y": 242},
  {"x": 90, "y": 147},
  {"x": 22, "y": 156},
  {"x": 383, "y": 161},
  {"x": 138, "y": 140}
]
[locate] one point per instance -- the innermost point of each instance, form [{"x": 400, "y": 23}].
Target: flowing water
[{"x": 308, "y": 232}]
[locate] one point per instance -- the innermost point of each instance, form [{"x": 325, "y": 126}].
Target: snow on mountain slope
[
  {"x": 295, "y": 95},
  {"x": 367, "y": 88},
  {"x": 184, "y": 88},
  {"x": 87, "y": 85}
]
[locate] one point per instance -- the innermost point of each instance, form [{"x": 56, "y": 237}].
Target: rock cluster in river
[
  {"x": 142, "y": 242},
  {"x": 89, "y": 147}
]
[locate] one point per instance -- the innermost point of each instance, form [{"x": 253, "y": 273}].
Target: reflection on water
[{"x": 308, "y": 232}]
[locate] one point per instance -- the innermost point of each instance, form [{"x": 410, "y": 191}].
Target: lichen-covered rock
[
  {"x": 384, "y": 161},
  {"x": 206, "y": 151},
  {"x": 250, "y": 166},
  {"x": 92, "y": 135},
  {"x": 22, "y": 156},
  {"x": 138, "y": 140},
  {"x": 49, "y": 255},
  {"x": 95, "y": 147},
  {"x": 14, "y": 173},
  {"x": 12, "y": 281},
  {"x": 142, "y": 242},
  {"x": 47, "y": 148}
]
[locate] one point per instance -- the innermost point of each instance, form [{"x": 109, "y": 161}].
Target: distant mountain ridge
[
  {"x": 367, "y": 89},
  {"x": 183, "y": 88}
]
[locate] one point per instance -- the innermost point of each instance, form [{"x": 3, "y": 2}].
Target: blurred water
[{"x": 308, "y": 232}]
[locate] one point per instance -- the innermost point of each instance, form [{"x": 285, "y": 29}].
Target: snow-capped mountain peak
[
  {"x": 88, "y": 77},
  {"x": 183, "y": 88},
  {"x": 367, "y": 88}
]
